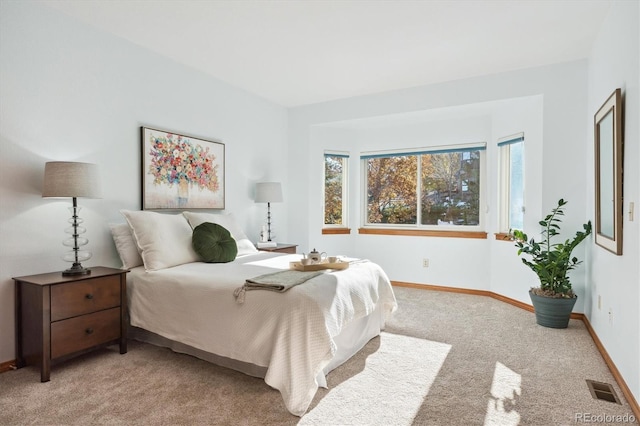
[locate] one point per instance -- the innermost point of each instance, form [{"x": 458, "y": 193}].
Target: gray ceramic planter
[{"x": 551, "y": 312}]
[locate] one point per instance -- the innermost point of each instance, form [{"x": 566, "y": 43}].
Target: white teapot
[{"x": 317, "y": 257}]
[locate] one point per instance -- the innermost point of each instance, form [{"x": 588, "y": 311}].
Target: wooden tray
[{"x": 318, "y": 266}]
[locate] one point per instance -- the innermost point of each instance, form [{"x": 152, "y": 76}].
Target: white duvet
[{"x": 290, "y": 333}]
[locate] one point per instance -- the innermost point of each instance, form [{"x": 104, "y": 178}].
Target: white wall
[
  {"x": 402, "y": 132},
  {"x": 321, "y": 139},
  {"x": 69, "y": 92},
  {"x": 547, "y": 103},
  {"x": 614, "y": 63},
  {"x": 525, "y": 116},
  {"x": 483, "y": 122}
]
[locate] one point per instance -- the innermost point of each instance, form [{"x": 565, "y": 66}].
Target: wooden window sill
[
  {"x": 423, "y": 233},
  {"x": 335, "y": 231}
]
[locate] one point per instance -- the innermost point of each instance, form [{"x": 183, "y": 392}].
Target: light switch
[{"x": 631, "y": 206}]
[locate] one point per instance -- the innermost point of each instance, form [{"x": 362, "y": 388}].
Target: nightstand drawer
[
  {"x": 83, "y": 332},
  {"x": 83, "y": 297}
]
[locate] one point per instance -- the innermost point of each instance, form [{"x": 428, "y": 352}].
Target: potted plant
[{"x": 553, "y": 301}]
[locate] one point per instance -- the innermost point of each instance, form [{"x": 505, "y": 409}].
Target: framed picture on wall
[
  {"x": 181, "y": 172},
  {"x": 609, "y": 173}
]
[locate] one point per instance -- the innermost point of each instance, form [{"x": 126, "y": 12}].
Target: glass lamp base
[{"x": 76, "y": 269}]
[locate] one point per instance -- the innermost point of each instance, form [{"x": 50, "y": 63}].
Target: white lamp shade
[
  {"x": 268, "y": 192},
  {"x": 71, "y": 179}
]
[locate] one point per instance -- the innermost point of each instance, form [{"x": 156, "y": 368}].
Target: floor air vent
[{"x": 603, "y": 391}]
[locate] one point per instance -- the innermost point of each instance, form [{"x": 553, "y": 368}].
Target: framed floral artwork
[{"x": 181, "y": 172}]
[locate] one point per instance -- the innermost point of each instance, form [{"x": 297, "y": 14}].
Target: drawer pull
[
  {"x": 89, "y": 296},
  {"x": 89, "y": 330}
]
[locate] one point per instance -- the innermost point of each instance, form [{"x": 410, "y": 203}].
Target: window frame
[
  {"x": 418, "y": 228},
  {"x": 504, "y": 191},
  {"x": 345, "y": 191}
]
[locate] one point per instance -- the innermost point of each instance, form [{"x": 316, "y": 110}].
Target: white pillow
[
  {"x": 125, "y": 245},
  {"x": 164, "y": 240},
  {"x": 228, "y": 221}
]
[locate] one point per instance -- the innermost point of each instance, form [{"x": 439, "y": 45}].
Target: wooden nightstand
[
  {"x": 281, "y": 248},
  {"x": 60, "y": 317}
]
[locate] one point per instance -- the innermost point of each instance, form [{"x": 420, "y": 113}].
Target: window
[
  {"x": 511, "y": 182},
  {"x": 438, "y": 187},
  {"x": 335, "y": 189}
]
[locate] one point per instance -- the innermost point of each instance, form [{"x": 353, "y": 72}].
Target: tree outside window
[
  {"x": 451, "y": 188},
  {"x": 391, "y": 189},
  {"x": 335, "y": 172},
  {"x": 448, "y": 188}
]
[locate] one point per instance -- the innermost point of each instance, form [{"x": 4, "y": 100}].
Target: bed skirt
[{"x": 352, "y": 338}]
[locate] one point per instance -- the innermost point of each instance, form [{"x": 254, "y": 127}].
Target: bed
[{"x": 292, "y": 339}]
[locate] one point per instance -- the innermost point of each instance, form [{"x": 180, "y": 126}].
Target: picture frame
[
  {"x": 181, "y": 172},
  {"x": 609, "y": 173}
]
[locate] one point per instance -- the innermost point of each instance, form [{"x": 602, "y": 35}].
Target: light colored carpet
[
  {"x": 389, "y": 390},
  {"x": 444, "y": 359}
]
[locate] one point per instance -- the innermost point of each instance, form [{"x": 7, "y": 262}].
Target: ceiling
[{"x": 308, "y": 51}]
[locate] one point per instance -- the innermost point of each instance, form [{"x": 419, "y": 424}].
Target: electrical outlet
[{"x": 425, "y": 263}]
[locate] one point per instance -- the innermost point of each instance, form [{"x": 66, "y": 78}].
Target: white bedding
[{"x": 291, "y": 333}]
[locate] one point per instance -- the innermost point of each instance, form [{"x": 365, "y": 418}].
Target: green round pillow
[{"x": 214, "y": 243}]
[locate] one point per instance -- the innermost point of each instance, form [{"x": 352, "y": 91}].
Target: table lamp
[
  {"x": 71, "y": 179},
  {"x": 268, "y": 192}
]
